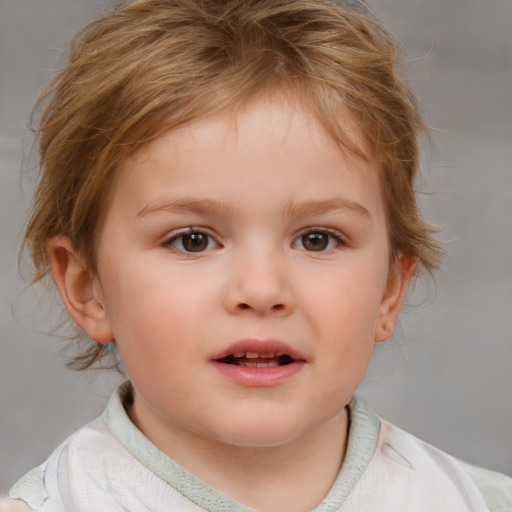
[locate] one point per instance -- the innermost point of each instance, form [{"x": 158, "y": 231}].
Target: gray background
[{"x": 446, "y": 374}]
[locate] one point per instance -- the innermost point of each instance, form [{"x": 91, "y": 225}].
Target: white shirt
[{"x": 109, "y": 465}]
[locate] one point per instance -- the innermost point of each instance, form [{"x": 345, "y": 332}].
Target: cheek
[
  {"x": 346, "y": 304},
  {"x": 149, "y": 316}
]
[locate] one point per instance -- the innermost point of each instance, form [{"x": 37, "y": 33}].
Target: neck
[{"x": 292, "y": 477}]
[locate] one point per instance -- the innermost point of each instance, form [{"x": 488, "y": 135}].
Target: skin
[{"x": 254, "y": 184}]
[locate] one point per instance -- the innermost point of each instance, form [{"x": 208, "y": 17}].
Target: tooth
[
  {"x": 251, "y": 365},
  {"x": 239, "y": 354},
  {"x": 267, "y": 355},
  {"x": 262, "y": 365},
  {"x": 273, "y": 363},
  {"x": 251, "y": 355}
]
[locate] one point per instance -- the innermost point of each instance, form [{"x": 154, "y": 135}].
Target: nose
[{"x": 259, "y": 284}]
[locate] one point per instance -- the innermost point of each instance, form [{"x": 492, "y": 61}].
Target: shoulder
[
  {"x": 432, "y": 464},
  {"x": 82, "y": 452},
  {"x": 496, "y": 488}
]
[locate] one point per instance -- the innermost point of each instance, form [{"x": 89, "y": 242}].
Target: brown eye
[
  {"x": 194, "y": 241},
  {"x": 315, "y": 241},
  {"x": 318, "y": 240}
]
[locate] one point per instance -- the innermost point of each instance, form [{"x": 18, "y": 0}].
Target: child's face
[{"x": 256, "y": 236}]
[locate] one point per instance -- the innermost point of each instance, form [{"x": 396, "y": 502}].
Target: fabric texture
[
  {"x": 109, "y": 465},
  {"x": 31, "y": 487}
]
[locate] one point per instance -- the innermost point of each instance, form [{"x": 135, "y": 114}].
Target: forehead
[
  {"x": 290, "y": 119},
  {"x": 269, "y": 143}
]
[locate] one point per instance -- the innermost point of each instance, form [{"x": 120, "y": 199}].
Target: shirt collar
[{"x": 362, "y": 441}]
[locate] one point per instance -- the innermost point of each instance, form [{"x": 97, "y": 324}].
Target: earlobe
[
  {"x": 393, "y": 299},
  {"x": 79, "y": 290}
]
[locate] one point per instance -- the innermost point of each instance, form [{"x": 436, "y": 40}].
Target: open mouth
[
  {"x": 259, "y": 363},
  {"x": 257, "y": 359}
]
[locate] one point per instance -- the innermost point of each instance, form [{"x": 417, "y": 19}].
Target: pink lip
[{"x": 259, "y": 376}]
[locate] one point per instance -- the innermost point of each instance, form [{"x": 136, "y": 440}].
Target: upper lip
[{"x": 261, "y": 347}]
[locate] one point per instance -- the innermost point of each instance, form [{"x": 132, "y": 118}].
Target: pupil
[
  {"x": 315, "y": 241},
  {"x": 195, "y": 242}
]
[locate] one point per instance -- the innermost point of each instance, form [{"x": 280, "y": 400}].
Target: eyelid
[
  {"x": 341, "y": 240},
  {"x": 177, "y": 234},
  {"x": 328, "y": 231}
]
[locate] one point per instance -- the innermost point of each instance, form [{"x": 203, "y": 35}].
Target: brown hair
[{"x": 156, "y": 65}]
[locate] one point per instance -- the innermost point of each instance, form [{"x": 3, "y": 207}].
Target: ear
[
  {"x": 79, "y": 289},
  {"x": 396, "y": 288}
]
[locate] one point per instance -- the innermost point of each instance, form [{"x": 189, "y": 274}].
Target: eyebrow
[
  {"x": 188, "y": 205},
  {"x": 320, "y": 207},
  {"x": 212, "y": 206}
]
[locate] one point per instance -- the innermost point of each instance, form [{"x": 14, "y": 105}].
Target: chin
[{"x": 257, "y": 434}]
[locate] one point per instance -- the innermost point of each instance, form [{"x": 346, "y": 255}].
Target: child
[{"x": 227, "y": 201}]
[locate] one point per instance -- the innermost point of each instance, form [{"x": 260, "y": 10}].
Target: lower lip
[{"x": 259, "y": 377}]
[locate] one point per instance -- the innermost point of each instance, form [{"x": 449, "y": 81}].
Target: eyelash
[
  {"x": 300, "y": 239},
  {"x": 331, "y": 234},
  {"x": 189, "y": 232}
]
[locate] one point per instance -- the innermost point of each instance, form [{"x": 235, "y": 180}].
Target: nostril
[{"x": 276, "y": 308}]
